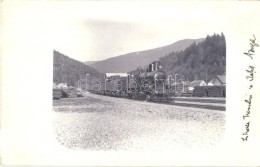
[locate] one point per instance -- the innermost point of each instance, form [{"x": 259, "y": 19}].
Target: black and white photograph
[
  {"x": 129, "y": 83},
  {"x": 169, "y": 97}
]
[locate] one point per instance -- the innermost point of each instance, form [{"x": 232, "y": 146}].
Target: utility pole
[
  {"x": 183, "y": 83},
  {"x": 87, "y": 81},
  {"x": 175, "y": 82}
]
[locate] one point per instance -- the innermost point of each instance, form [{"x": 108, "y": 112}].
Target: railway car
[{"x": 113, "y": 84}]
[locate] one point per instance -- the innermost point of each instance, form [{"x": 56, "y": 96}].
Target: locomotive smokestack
[
  {"x": 152, "y": 67},
  {"x": 156, "y": 66}
]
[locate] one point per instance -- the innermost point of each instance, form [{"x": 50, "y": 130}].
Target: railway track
[{"x": 195, "y": 102}]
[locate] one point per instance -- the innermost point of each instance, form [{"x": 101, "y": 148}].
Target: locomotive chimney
[
  {"x": 152, "y": 67},
  {"x": 156, "y": 66}
]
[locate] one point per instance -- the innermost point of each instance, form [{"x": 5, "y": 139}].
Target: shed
[{"x": 115, "y": 75}]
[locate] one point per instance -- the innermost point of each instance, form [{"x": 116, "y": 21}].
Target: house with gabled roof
[
  {"x": 218, "y": 80},
  {"x": 195, "y": 83}
]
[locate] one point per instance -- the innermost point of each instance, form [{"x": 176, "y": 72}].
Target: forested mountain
[
  {"x": 70, "y": 71},
  {"x": 190, "y": 59},
  {"x": 199, "y": 61},
  {"x": 131, "y": 61}
]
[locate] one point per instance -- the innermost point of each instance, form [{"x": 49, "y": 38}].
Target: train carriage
[{"x": 115, "y": 84}]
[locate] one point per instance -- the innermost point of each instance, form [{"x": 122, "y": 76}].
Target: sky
[{"x": 97, "y": 30}]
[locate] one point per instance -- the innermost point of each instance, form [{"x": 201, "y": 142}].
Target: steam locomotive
[{"x": 151, "y": 85}]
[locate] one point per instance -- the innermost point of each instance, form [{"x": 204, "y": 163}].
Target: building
[
  {"x": 196, "y": 83},
  {"x": 113, "y": 76},
  {"x": 107, "y": 75},
  {"x": 219, "y": 80},
  {"x": 62, "y": 85}
]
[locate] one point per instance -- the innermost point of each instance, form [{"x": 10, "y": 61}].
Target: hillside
[
  {"x": 70, "y": 71},
  {"x": 131, "y": 61},
  {"x": 201, "y": 60}
]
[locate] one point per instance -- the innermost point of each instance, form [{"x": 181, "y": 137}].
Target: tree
[{"x": 205, "y": 59}]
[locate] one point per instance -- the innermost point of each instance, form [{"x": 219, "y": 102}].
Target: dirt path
[{"x": 105, "y": 123}]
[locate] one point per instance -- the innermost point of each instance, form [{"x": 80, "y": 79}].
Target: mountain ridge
[
  {"x": 70, "y": 71},
  {"x": 131, "y": 61}
]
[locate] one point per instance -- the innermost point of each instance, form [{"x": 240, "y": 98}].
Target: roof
[
  {"x": 62, "y": 84},
  {"x": 116, "y": 74},
  {"x": 222, "y": 78},
  {"x": 196, "y": 82}
]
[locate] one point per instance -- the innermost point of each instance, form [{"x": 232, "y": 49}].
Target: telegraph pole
[
  {"x": 87, "y": 81},
  {"x": 175, "y": 82}
]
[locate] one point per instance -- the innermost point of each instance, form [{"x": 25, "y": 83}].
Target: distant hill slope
[
  {"x": 70, "y": 71},
  {"x": 89, "y": 62},
  {"x": 131, "y": 61}
]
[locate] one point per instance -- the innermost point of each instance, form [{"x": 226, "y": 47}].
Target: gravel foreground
[{"x": 106, "y": 123}]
